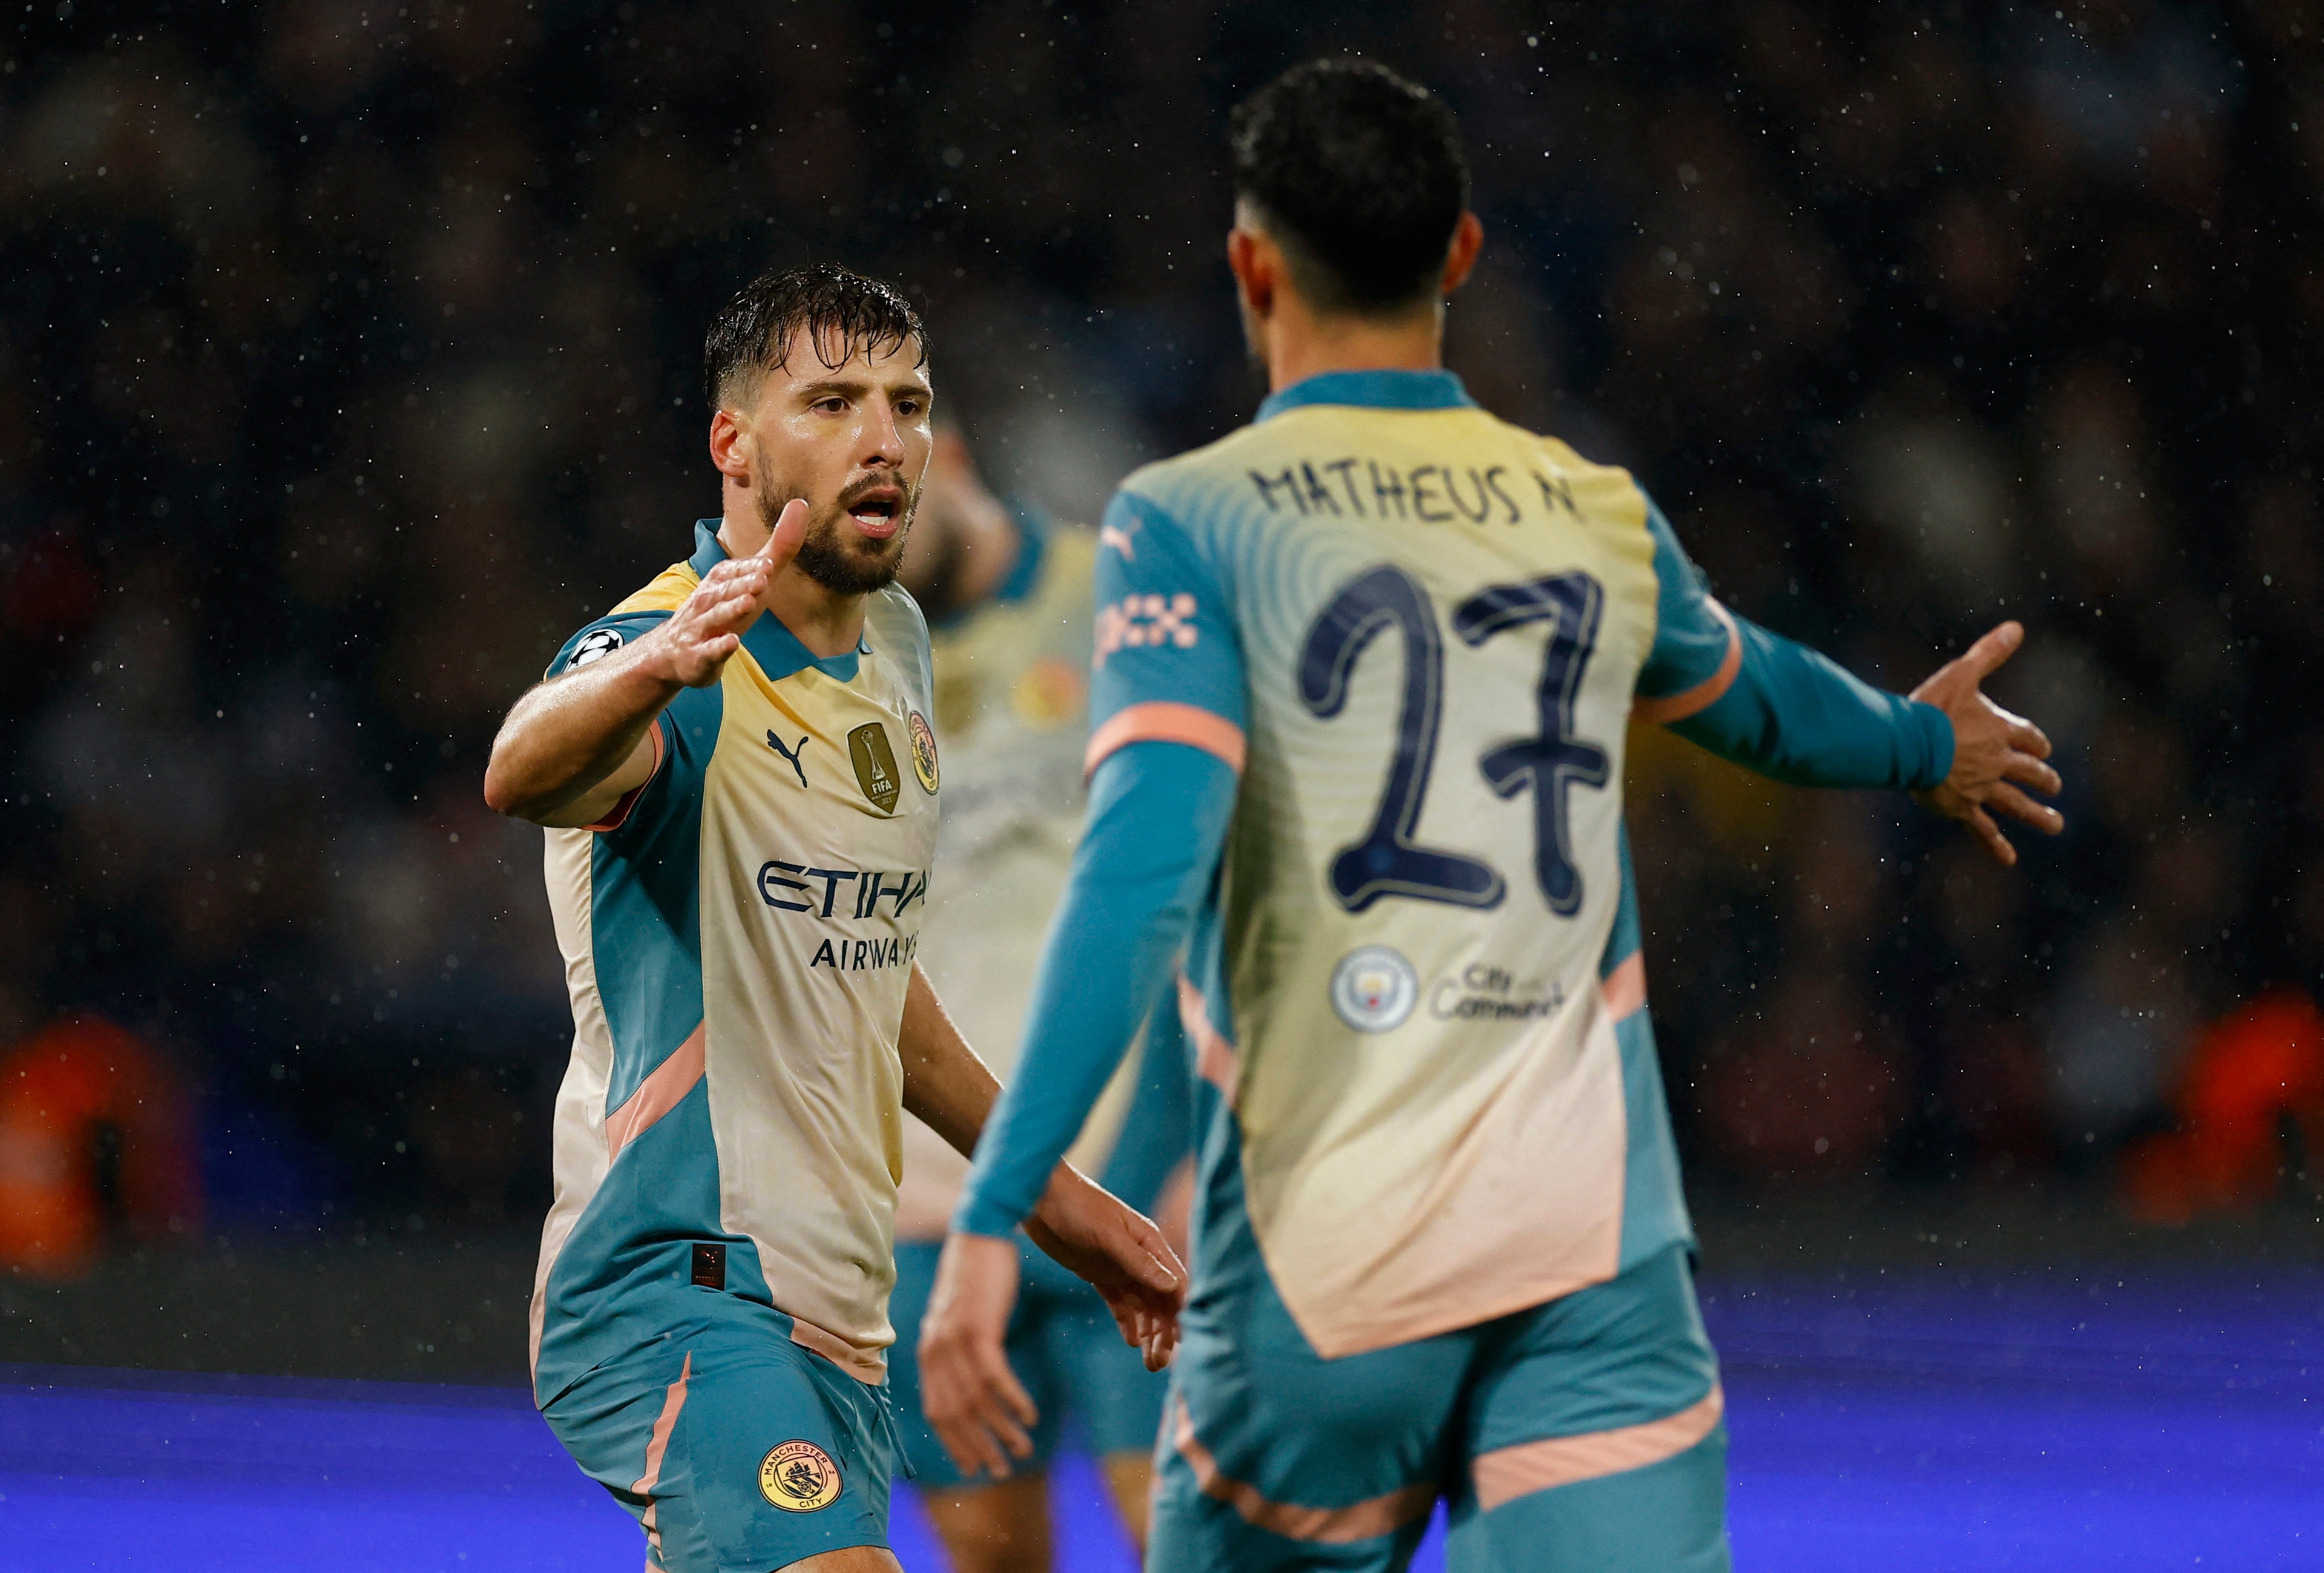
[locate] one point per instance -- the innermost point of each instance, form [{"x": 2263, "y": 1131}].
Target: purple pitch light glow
[{"x": 1896, "y": 1423}]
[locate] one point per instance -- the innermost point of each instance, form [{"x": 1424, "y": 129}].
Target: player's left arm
[
  {"x": 1157, "y": 1137},
  {"x": 1077, "y": 1221},
  {"x": 1778, "y": 707}
]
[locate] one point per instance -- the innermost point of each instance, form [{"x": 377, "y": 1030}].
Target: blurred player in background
[
  {"x": 1008, "y": 600},
  {"x": 1364, "y": 673},
  {"x": 741, "y": 781}
]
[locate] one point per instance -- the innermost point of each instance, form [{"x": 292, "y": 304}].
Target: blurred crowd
[{"x": 349, "y": 358}]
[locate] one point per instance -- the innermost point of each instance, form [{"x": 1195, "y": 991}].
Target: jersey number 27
[{"x": 1387, "y": 861}]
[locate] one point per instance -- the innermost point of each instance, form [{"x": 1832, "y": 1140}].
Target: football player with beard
[{"x": 738, "y": 771}]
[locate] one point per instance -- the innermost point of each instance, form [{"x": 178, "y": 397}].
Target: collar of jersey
[
  {"x": 1378, "y": 390},
  {"x": 776, "y": 649}
]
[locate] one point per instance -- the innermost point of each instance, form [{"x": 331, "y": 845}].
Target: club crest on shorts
[
  {"x": 595, "y": 644},
  {"x": 1374, "y": 988},
  {"x": 924, "y": 752},
  {"x": 798, "y": 1477},
  {"x": 874, "y": 759}
]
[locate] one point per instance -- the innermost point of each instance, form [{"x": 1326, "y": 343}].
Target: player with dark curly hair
[{"x": 1365, "y": 670}]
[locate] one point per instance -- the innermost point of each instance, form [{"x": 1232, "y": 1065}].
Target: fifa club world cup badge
[
  {"x": 924, "y": 752},
  {"x": 874, "y": 758},
  {"x": 798, "y": 1477}
]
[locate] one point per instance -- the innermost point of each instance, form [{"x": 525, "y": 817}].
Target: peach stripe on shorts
[
  {"x": 659, "y": 1443},
  {"x": 1672, "y": 708},
  {"x": 1215, "y": 1060},
  {"x": 1330, "y": 1526},
  {"x": 1624, "y": 989},
  {"x": 656, "y": 1446},
  {"x": 1166, "y": 721},
  {"x": 656, "y": 1096},
  {"x": 1506, "y": 1474}
]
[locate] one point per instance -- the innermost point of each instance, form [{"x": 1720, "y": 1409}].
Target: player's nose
[{"x": 884, "y": 440}]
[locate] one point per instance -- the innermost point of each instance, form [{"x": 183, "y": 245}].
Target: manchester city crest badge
[
  {"x": 798, "y": 1477},
  {"x": 1374, "y": 988},
  {"x": 923, "y": 750}
]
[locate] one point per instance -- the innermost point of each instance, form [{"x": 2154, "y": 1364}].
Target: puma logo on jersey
[{"x": 792, "y": 753}]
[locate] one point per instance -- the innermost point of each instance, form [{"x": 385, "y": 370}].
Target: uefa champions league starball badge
[
  {"x": 1374, "y": 988},
  {"x": 595, "y": 645}
]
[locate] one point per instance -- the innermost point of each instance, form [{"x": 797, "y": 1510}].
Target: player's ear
[
  {"x": 1249, "y": 256},
  {"x": 732, "y": 445},
  {"x": 1461, "y": 256}
]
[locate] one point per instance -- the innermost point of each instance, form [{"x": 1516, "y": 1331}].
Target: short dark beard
[{"x": 828, "y": 558}]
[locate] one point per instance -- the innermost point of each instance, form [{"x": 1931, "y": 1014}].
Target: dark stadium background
[{"x": 349, "y": 358}]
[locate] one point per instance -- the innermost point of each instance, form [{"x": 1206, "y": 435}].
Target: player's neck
[
  {"x": 1298, "y": 344},
  {"x": 827, "y": 622}
]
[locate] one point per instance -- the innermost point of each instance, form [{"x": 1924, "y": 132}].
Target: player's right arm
[{"x": 577, "y": 744}]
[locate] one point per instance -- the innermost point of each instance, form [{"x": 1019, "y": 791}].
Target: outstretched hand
[
  {"x": 1996, "y": 754},
  {"x": 695, "y": 644},
  {"x": 1119, "y": 1253},
  {"x": 974, "y": 1402}
]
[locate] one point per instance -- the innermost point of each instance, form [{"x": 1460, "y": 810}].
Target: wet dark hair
[
  {"x": 1359, "y": 175},
  {"x": 840, "y": 308}
]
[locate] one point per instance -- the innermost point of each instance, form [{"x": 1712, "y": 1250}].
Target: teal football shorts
[
  {"x": 1582, "y": 1433},
  {"x": 737, "y": 1449}
]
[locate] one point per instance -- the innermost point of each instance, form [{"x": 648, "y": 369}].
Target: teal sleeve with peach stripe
[
  {"x": 1771, "y": 705},
  {"x": 1168, "y": 667}
]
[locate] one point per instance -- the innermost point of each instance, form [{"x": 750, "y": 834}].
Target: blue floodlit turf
[{"x": 1901, "y": 1423}]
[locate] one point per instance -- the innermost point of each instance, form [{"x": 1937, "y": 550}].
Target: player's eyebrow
[
  {"x": 859, "y": 387},
  {"x": 825, "y": 387}
]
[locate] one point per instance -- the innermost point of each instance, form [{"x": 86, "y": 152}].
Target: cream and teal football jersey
[
  {"x": 738, "y": 937},
  {"x": 1418, "y": 632},
  {"x": 1363, "y": 678}
]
